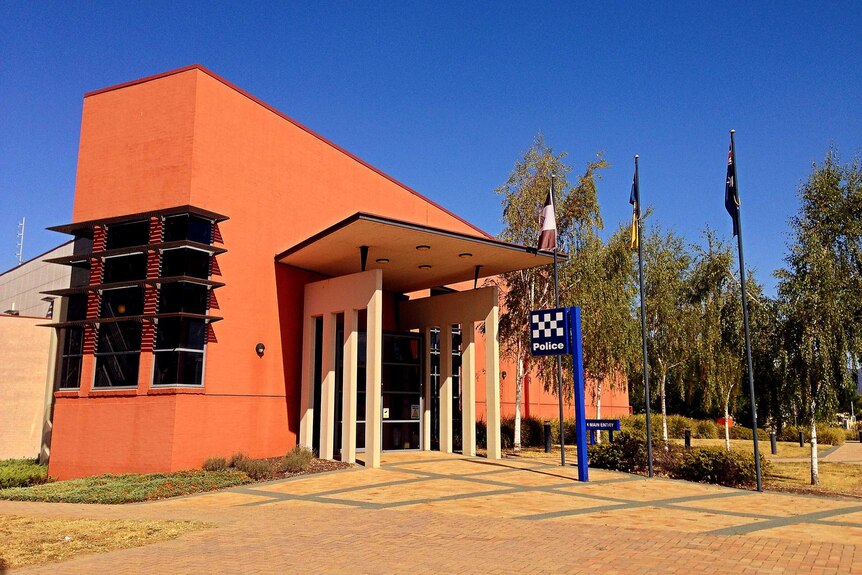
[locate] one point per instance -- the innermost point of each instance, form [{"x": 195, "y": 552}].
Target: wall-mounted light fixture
[
  {"x": 503, "y": 374},
  {"x": 465, "y": 255},
  {"x": 423, "y": 248},
  {"x": 382, "y": 260},
  {"x": 424, "y": 267},
  {"x": 259, "y": 349}
]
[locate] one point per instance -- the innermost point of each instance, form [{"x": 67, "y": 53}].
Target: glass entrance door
[{"x": 402, "y": 391}]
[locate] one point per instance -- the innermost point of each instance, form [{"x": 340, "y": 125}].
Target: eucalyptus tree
[
  {"x": 577, "y": 215},
  {"x": 820, "y": 291}
]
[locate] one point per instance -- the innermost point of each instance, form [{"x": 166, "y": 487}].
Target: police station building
[{"x": 240, "y": 283}]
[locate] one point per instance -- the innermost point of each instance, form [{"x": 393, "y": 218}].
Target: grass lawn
[
  {"x": 127, "y": 488},
  {"x": 38, "y": 540},
  {"x": 835, "y": 478}
]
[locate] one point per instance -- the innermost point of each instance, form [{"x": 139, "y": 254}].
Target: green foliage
[
  {"x": 297, "y": 460},
  {"x": 257, "y": 469},
  {"x": 705, "y": 429},
  {"x": 127, "y": 488},
  {"x": 628, "y": 453},
  {"x": 22, "y": 473},
  {"x": 826, "y": 435},
  {"x": 830, "y": 435},
  {"x": 734, "y": 468},
  {"x": 215, "y": 464}
]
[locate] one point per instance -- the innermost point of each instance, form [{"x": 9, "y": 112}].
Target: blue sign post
[
  {"x": 577, "y": 348},
  {"x": 558, "y": 332}
]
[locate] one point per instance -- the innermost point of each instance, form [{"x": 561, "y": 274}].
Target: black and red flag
[{"x": 548, "y": 225}]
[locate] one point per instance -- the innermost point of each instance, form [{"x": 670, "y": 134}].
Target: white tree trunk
[
  {"x": 663, "y": 380},
  {"x": 815, "y": 468},
  {"x": 599, "y": 407},
  {"x": 519, "y": 386},
  {"x": 727, "y": 419}
]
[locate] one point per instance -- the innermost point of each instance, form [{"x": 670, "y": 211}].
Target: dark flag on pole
[
  {"x": 548, "y": 225},
  {"x": 731, "y": 194},
  {"x": 634, "y": 200}
]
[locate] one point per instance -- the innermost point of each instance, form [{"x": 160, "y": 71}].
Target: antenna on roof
[{"x": 20, "y": 253}]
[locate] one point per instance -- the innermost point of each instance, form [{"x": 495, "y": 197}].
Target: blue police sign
[{"x": 549, "y": 332}]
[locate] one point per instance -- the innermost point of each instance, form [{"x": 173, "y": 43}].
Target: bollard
[
  {"x": 547, "y": 437},
  {"x": 772, "y": 441},
  {"x": 688, "y": 440},
  {"x": 860, "y": 437},
  {"x": 801, "y": 439}
]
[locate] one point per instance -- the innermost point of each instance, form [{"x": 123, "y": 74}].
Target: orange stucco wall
[{"x": 191, "y": 138}]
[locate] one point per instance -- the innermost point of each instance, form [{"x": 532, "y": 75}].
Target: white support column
[
  {"x": 306, "y": 396},
  {"x": 426, "y": 408},
  {"x": 348, "y": 396},
  {"x": 492, "y": 382},
  {"x": 327, "y": 389},
  {"x": 374, "y": 380},
  {"x": 468, "y": 388},
  {"x": 446, "y": 388}
]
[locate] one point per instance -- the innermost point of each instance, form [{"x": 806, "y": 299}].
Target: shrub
[
  {"x": 481, "y": 434},
  {"x": 22, "y": 473},
  {"x": 257, "y": 469},
  {"x": 296, "y": 461},
  {"x": 237, "y": 459},
  {"x": 705, "y": 429},
  {"x": 215, "y": 464},
  {"x": 676, "y": 426},
  {"x": 627, "y": 453},
  {"x": 734, "y": 468},
  {"x": 739, "y": 432},
  {"x": 830, "y": 435}
]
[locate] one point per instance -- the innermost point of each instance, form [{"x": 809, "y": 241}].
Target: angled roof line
[{"x": 295, "y": 123}]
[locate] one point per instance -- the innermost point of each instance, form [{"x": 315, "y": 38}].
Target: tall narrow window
[
  {"x": 179, "y": 351},
  {"x": 118, "y": 354},
  {"x": 73, "y": 343}
]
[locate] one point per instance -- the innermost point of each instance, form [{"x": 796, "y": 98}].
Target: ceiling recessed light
[
  {"x": 424, "y": 267},
  {"x": 382, "y": 260},
  {"x": 465, "y": 255},
  {"x": 423, "y": 248}
]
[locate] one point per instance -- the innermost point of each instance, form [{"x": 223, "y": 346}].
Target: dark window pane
[
  {"x": 174, "y": 332},
  {"x": 187, "y": 227},
  {"x": 122, "y": 302},
  {"x": 73, "y": 344},
  {"x": 117, "y": 370},
  {"x": 127, "y": 235},
  {"x": 76, "y": 307},
  {"x": 178, "y": 367},
  {"x": 125, "y": 268},
  {"x": 119, "y": 337},
  {"x": 70, "y": 376},
  {"x": 183, "y": 296},
  {"x": 186, "y": 262}
]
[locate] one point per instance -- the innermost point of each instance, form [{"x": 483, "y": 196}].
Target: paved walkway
[{"x": 429, "y": 513}]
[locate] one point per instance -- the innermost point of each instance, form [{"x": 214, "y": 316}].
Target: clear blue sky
[{"x": 446, "y": 96}]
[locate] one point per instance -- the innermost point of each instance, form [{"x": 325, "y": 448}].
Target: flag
[
  {"x": 634, "y": 200},
  {"x": 548, "y": 225},
  {"x": 731, "y": 194}
]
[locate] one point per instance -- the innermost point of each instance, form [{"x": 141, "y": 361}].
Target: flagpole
[
  {"x": 643, "y": 319},
  {"x": 559, "y": 358},
  {"x": 745, "y": 318}
]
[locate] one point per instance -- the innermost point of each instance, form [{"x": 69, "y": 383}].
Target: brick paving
[{"x": 431, "y": 513}]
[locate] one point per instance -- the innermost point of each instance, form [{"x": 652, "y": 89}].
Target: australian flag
[{"x": 731, "y": 194}]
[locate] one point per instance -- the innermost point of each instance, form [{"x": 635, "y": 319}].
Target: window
[
  {"x": 125, "y": 268},
  {"x": 186, "y": 262},
  {"x": 77, "y": 307},
  {"x": 122, "y": 302},
  {"x": 118, "y": 354},
  {"x": 128, "y": 234},
  {"x": 73, "y": 354},
  {"x": 183, "y": 297},
  {"x": 188, "y": 227},
  {"x": 179, "y": 351}
]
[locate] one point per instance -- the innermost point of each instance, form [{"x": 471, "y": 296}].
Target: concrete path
[
  {"x": 428, "y": 513},
  {"x": 850, "y": 452}
]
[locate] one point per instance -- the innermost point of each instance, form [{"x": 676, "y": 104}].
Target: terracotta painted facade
[{"x": 188, "y": 137}]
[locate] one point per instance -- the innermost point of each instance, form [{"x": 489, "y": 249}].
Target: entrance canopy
[{"x": 412, "y": 256}]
